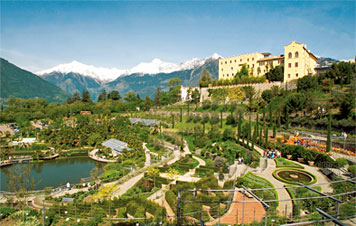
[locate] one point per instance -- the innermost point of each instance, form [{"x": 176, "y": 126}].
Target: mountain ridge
[
  {"x": 19, "y": 83},
  {"x": 156, "y": 66}
]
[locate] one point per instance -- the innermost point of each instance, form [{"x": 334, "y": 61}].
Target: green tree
[
  {"x": 328, "y": 141},
  {"x": 287, "y": 116},
  {"x": 180, "y": 114},
  {"x": 243, "y": 71},
  {"x": 147, "y": 103},
  {"x": 307, "y": 82},
  {"x": 267, "y": 95},
  {"x": 275, "y": 74},
  {"x": 347, "y": 105},
  {"x": 102, "y": 96},
  {"x": 157, "y": 98},
  {"x": 239, "y": 128},
  {"x": 196, "y": 98},
  {"x": 342, "y": 72},
  {"x": 274, "y": 128},
  {"x": 174, "y": 85},
  {"x": 250, "y": 92},
  {"x": 86, "y": 96},
  {"x": 76, "y": 97},
  {"x": 153, "y": 172},
  {"x": 114, "y": 95},
  {"x": 205, "y": 79}
]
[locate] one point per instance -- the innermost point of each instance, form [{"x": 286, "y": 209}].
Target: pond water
[
  {"x": 54, "y": 173},
  {"x": 294, "y": 175}
]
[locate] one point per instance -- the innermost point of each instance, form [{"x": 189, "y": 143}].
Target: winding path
[{"x": 285, "y": 208}]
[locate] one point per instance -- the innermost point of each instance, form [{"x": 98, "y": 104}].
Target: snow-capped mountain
[
  {"x": 109, "y": 74},
  {"x": 143, "y": 79},
  {"x": 100, "y": 73}
]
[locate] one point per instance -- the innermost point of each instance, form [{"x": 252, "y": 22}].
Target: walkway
[
  {"x": 93, "y": 156},
  {"x": 147, "y": 154},
  {"x": 285, "y": 208},
  {"x": 253, "y": 211}
]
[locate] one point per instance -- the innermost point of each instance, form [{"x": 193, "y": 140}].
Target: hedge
[
  {"x": 292, "y": 182},
  {"x": 282, "y": 162},
  {"x": 298, "y": 151}
]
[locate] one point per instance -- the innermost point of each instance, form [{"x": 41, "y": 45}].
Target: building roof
[
  {"x": 146, "y": 122},
  {"x": 116, "y": 145},
  {"x": 271, "y": 58}
]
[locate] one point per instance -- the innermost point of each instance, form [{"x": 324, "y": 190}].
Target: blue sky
[{"x": 39, "y": 35}]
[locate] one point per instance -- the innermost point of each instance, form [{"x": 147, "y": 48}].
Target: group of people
[{"x": 272, "y": 153}]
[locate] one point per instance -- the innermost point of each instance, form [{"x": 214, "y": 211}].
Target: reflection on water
[{"x": 54, "y": 173}]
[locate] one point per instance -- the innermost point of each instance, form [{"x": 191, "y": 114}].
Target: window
[
  {"x": 289, "y": 65},
  {"x": 232, "y": 68},
  {"x": 225, "y": 62},
  {"x": 262, "y": 63},
  {"x": 253, "y": 59},
  {"x": 296, "y": 54},
  {"x": 222, "y": 69},
  {"x": 223, "y": 75},
  {"x": 289, "y": 55},
  {"x": 230, "y": 61},
  {"x": 288, "y": 75},
  {"x": 240, "y": 60},
  {"x": 296, "y": 64},
  {"x": 221, "y": 63},
  {"x": 235, "y": 61},
  {"x": 296, "y": 75},
  {"x": 248, "y": 59},
  {"x": 227, "y": 74}
]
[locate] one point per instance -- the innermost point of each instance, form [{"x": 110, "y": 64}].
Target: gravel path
[{"x": 285, "y": 207}]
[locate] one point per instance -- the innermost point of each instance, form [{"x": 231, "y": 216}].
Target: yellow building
[{"x": 297, "y": 61}]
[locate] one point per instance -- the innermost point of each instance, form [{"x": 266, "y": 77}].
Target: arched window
[
  {"x": 296, "y": 54},
  {"x": 289, "y": 55}
]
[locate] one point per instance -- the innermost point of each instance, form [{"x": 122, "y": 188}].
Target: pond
[
  {"x": 295, "y": 176},
  {"x": 54, "y": 173}
]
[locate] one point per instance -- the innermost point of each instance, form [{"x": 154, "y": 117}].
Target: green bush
[
  {"x": 298, "y": 151},
  {"x": 6, "y": 211},
  {"x": 341, "y": 162},
  {"x": 352, "y": 169}
]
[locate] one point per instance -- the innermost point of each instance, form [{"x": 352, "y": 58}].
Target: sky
[{"x": 38, "y": 35}]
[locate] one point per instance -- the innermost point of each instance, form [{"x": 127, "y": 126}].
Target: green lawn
[{"x": 282, "y": 162}]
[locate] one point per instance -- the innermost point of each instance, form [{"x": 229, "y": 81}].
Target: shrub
[
  {"x": 6, "y": 211},
  {"x": 230, "y": 120},
  {"x": 214, "y": 119},
  {"x": 352, "y": 169},
  {"x": 341, "y": 162}
]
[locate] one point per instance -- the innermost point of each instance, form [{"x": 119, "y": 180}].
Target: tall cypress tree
[
  {"x": 270, "y": 115},
  {"x": 181, "y": 114},
  {"x": 249, "y": 137},
  {"x": 188, "y": 108},
  {"x": 239, "y": 128},
  {"x": 266, "y": 136},
  {"x": 274, "y": 128},
  {"x": 264, "y": 122},
  {"x": 254, "y": 137},
  {"x": 172, "y": 120},
  {"x": 279, "y": 119},
  {"x": 287, "y": 117},
  {"x": 328, "y": 141}
]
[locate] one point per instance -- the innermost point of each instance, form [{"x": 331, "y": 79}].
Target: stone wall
[{"x": 259, "y": 87}]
